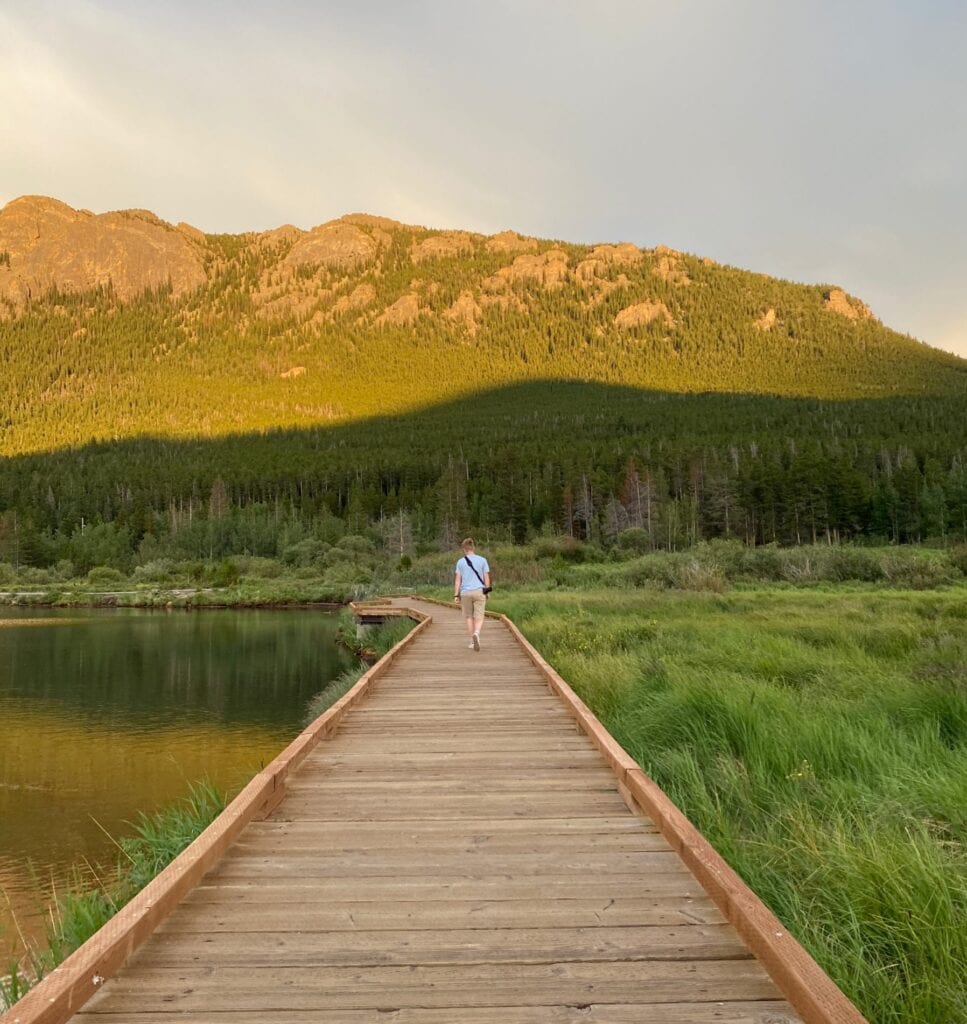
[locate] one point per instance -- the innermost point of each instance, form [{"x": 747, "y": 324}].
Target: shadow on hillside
[{"x": 551, "y": 417}]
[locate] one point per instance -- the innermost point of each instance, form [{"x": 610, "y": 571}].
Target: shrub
[
  {"x": 258, "y": 568},
  {"x": 765, "y": 563},
  {"x": 958, "y": 558},
  {"x": 159, "y": 571},
  {"x": 634, "y": 539},
  {"x": 35, "y": 576},
  {"x": 693, "y": 575},
  {"x": 7, "y": 574},
  {"x": 224, "y": 574},
  {"x": 305, "y": 552},
  {"x": 64, "y": 569},
  {"x": 570, "y": 549},
  {"x": 346, "y": 578},
  {"x": 650, "y": 571},
  {"x": 801, "y": 567},
  {"x": 917, "y": 572},
  {"x": 848, "y": 563},
  {"x": 104, "y": 575},
  {"x": 356, "y": 544}
]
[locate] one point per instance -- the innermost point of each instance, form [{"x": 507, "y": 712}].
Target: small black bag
[{"x": 486, "y": 589}]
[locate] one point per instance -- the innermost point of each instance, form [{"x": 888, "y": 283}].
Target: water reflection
[{"x": 114, "y": 713}]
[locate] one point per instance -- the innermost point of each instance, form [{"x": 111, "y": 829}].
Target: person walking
[{"x": 471, "y": 584}]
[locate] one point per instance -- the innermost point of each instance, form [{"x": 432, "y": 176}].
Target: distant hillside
[{"x": 119, "y": 325}]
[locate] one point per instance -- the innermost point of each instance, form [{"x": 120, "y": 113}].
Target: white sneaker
[
  {"x": 475, "y": 643},
  {"x": 472, "y": 646}
]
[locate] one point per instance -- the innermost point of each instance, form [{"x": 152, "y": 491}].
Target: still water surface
[{"x": 105, "y": 714}]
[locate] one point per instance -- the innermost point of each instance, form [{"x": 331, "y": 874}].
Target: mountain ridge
[
  {"x": 121, "y": 324},
  {"x": 333, "y": 243}
]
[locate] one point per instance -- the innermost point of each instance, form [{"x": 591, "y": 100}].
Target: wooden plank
[
  {"x": 428, "y": 863},
  {"x": 187, "y": 990},
  {"x": 465, "y": 714},
  {"x": 472, "y": 761},
  {"x": 467, "y": 744},
  {"x": 417, "y": 732},
  {"x": 542, "y": 721},
  {"x": 479, "y": 886},
  {"x": 314, "y": 835},
  {"x": 760, "y": 1012},
  {"x": 260, "y": 948},
  {"x": 404, "y": 830},
  {"x": 281, "y": 909},
  {"x": 391, "y": 786},
  {"x": 501, "y": 805}
]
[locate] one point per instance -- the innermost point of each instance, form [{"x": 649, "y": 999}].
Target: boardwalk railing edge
[
  {"x": 62, "y": 992},
  {"x": 809, "y": 989}
]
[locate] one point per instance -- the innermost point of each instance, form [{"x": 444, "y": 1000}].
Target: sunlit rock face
[{"x": 47, "y": 244}]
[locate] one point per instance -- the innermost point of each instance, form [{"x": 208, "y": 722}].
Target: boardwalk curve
[{"x": 469, "y": 845}]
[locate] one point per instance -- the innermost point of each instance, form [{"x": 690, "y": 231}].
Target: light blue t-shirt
[{"x": 468, "y": 581}]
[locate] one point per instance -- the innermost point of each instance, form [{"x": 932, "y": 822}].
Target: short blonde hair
[{"x": 468, "y": 544}]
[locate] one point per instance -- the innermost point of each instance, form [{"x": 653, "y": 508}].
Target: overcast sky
[{"x": 818, "y": 141}]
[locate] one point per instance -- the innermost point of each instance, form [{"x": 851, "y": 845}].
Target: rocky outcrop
[
  {"x": 336, "y": 244},
  {"x": 403, "y": 312},
  {"x": 837, "y": 301},
  {"x": 765, "y": 322},
  {"x": 449, "y": 243},
  {"x": 49, "y": 244},
  {"x": 284, "y": 235},
  {"x": 360, "y": 297},
  {"x": 669, "y": 266},
  {"x": 510, "y": 241},
  {"x": 465, "y": 311},
  {"x": 643, "y": 313},
  {"x": 549, "y": 269}
]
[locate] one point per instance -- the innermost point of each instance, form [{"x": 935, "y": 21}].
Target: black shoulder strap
[{"x": 477, "y": 574}]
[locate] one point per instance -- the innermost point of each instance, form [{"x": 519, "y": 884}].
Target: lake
[{"x": 105, "y": 714}]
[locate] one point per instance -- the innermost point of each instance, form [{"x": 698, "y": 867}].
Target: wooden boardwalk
[{"x": 458, "y": 851}]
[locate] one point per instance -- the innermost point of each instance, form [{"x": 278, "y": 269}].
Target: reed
[{"x": 95, "y": 895}]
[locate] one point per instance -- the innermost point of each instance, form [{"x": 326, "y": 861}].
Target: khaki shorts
[{"x": 473, "y": 603}]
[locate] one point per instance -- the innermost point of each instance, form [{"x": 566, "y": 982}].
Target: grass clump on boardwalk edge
[
  {"x": 93, "y": 900},
  {"x": 819, "y": 741},
  {"x": 379, "y": 641}
]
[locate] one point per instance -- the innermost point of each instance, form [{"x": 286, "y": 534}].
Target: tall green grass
[
  {"x": 378, "y": 642},
  {"x": 93, "y": 898},
  {"x": 819, "y": 740}
]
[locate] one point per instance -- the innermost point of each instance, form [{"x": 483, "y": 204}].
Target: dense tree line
[{"x": 574, "y": 458}]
